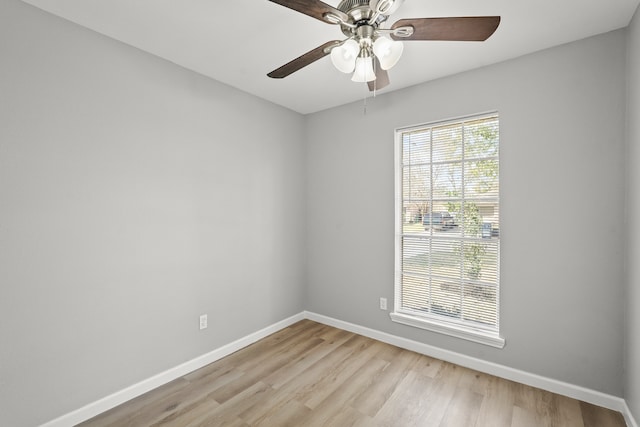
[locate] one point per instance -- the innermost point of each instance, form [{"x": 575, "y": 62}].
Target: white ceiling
[{"x": 238, "y": 42}]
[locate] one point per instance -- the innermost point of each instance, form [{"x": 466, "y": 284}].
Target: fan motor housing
[
  {"x": 359, "y": 13},
  {"x": 347, "y": 5}
]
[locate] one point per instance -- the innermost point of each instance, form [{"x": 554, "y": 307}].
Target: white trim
[
  {"x": 451, "y": 120},
  {"x": 559, "y": 387},
  {"x": 628, "y": 416},
  {"x": 534, "y": 380},
  {"x": 460, "y": 328},
  {"x": 135, "y": 390},
  {"x": 463, "y": 332}
]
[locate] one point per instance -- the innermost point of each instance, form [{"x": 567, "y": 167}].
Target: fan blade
[
  {"x": 473, "y": 28},
  {"x": 382, "y": 78},
  {"x": 314, "y": 8},
  {"x": 303, "y": 60}
]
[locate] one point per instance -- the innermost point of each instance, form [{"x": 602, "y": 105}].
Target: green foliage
[
  {"x": 472, "y": 225},
  {"x": 484, "y": 175},
  {"x": 481, "y": 141},
  {"x": 473, "y": 254},
  {"x": 477, "y": 169}
]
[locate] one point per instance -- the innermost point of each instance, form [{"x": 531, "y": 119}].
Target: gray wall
[
  {"x": 562, "y": 190},
  {"x": 130, "y": 189},
  {"x": 135, "y": 195},
  {"x": 632, "y": 355}
]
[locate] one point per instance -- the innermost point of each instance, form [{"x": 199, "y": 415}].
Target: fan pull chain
[
  {"x": 364, "y": 106},
  {"x": 364, "y": 101},
  {"x": 375, "y": 88}
]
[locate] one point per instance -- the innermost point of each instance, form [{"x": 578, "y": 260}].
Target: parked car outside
[{"x": 438, "y": 220}]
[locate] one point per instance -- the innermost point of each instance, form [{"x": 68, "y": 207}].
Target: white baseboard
[
  {"x": 549, "y": 384},
  {"x": 119, "y": 397},
  {"x": 628, "y": 416}
]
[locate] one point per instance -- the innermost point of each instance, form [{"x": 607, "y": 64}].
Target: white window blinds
[{"x": 448, "y": 228}]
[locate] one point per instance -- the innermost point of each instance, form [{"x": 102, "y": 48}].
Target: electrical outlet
[
  {"x": 383, "y": 303},
  {"x": 203, "y": 321}
]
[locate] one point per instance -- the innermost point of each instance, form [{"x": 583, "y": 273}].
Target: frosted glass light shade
[
  {"x": 387, "y": 51},
  {"x": 364, "y": 70},
  {"x": 344, "y": 56}
]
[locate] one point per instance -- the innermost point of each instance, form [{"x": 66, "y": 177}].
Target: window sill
[{"x": 478, "y": 336}]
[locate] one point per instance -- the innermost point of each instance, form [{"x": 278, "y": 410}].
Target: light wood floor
[{"x": 311, "y": 374}]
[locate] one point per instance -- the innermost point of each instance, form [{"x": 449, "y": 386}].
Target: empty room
[{"x": 319, "y": 213}]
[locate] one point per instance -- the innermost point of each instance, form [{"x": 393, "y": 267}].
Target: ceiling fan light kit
[
  {"x": 387, "y": 51},
  {"x": 364, "y": 71},
  {"x": 367, "y": 52},
  {"x": 344, "y": 56}
]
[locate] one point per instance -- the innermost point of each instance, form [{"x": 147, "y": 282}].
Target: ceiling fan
[{"x": 369, "y": 49}]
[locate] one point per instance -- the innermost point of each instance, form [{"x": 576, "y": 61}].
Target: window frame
[{"x": 433, "y": 322}]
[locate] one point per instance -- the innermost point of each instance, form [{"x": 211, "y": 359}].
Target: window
[{"x": 448, "y": 228}]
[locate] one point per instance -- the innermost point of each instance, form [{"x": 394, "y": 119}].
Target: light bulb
[
  {"x": 387, "y": 51},
  {"x": 364, "y": 70},
  {"x": 344, "y": 56}
]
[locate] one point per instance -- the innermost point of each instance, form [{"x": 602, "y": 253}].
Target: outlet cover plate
[{"x": 203, "y": 322}]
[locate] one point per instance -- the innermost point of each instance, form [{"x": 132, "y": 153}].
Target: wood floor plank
[
  {"x": 594, "y": 416},
  {"x": 277, "y": 403},
  {"x": 474, "y": 381},
  {"x": 534, "y": 400},
  {"x": 188, "y": 415},
  {"x": 523, "y": 417},
  {"x": 410, "y": 404},
  {"x": 427, "y": 366},
  {"x": 463, "y": 408},
  {"x": 303, "y": 386},
  {"x": 314, "y": 375},
  {"x": 230, "y": 410},
  {"x": 303, "y": 361},
  {"x": 328, "y": 411},
  {"x": 566, "y": 412},
  {"x": 496, "y": 409},
  {"x": 291, "y": 414},
  {"x": 345, "y": 417},
  {"x": 141, "y": 409},
  {"x": 300, "y": 386},
  {"x": 384, "y": 384},
  {"x": 341, "y": 376},
  {"x": 251, "y": 373},
  {"x": 439, "y": 396}
]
